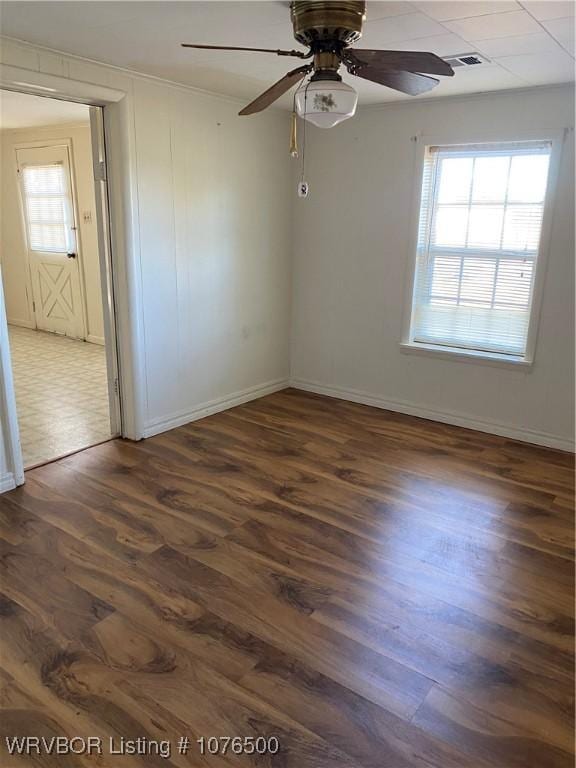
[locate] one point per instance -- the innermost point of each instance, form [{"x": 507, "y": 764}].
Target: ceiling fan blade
[
  {"x": 275, "y": 91},
  {"x": 277, "y": 51},
  {"x": 406, "y": 82},
  {"x": 400, "y": 61}
]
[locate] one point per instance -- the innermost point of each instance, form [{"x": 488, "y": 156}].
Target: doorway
[{"x": 55, "y": 273}]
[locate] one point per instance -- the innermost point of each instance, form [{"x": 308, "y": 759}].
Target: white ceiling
[
  {"x": 528, "y": 43},
  {"x": 18, "y": 110}
]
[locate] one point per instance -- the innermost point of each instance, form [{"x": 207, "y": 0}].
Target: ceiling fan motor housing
[{"x": 327, "y": 25}]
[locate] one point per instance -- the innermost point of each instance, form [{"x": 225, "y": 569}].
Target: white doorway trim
[
  {"x": 102, "y": 205},
  {"x": 11, "y": 464},
  {"x": 124, "y": 257}
]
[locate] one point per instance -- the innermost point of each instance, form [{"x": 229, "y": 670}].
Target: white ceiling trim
[
  {"x": 121, "y": 70},
  {"x": 417, "y": 100}
]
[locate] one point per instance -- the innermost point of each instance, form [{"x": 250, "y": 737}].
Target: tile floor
[{"x": 61, "y": 394}]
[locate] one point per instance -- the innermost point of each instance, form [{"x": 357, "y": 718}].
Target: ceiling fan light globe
[{"x": 325, "y": 103}]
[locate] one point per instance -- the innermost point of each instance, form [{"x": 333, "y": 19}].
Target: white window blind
[
  {"x": 478, "y": 240},
  {"x": 47, "y": 207}
]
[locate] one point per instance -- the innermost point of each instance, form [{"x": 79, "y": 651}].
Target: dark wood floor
[{"x": 378, "y": 591}]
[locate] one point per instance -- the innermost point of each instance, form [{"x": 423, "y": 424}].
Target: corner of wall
[{"x": 7, "y": 482}]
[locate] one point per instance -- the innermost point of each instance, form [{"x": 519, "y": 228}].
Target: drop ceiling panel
[
  {"x": 380, "y": 10},
  {"x": 538, "y": 42},
  {"x": 540, "y": 69},
  {"x": 47, "y": 16},
  {"x": 543, "y": 10},
  {"x": 562, "y": 30},
  {"x": 495, "y": 25},
  {"x": 447, "y": 44},
  {"x": 479, "y": 80},
  {"x": 409, "y": 26},
  {"x": 460, "y": 9},
  {"x": 527, "y": 43}
]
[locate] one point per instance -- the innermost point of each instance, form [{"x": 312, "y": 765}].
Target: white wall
[
  {"x": 351, "y": 258},
  {"x": 215, "y": 216},
  {"x": 12, "y": 237},
  {"x": 203, "y": 251}
]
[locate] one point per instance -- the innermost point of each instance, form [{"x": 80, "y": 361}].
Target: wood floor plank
[
  {"x": 110, "y": 532},
  {"x": 228, "y": 709},
  {"x": 340, "y": 505},
  {"x": 349, "y": 419},
  {"x": 172, "y": 617},
  {"x": 459, "y": 512},
  {"x": 513, "y": 693},
  {"x": 402, "y": 467},
  {"x": 485, "y": 735},
  {"x": 125, "y": 468},
  {"x": 74, "y": 690},
  {"x": 370, "y": 734},
  {"x": 224, "y": 706},
  {"x": 136, "y": 527},
  {"x": 379, "y": 591},
  {"x": 547, "y": 618},
  {"x": 470, "y": 621},
  {"x": 262, "y": 574},
  {"x": 22, "y": 714},
  {"x": 378, "y": 678},
  {"x": 48, "y": 595}
]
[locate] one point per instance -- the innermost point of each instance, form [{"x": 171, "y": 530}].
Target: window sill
[{"x": 465, "y": 355}]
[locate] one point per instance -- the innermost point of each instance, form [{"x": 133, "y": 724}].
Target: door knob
[{"x": 71, "y": 255}]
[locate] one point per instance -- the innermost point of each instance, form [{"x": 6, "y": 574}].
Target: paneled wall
[
  {"x": 215, "y": 216},
  {"x": 352, "y": 252}
]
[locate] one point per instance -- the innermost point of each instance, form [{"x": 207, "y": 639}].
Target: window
[
  {"x": 47, "y": 207},
  {"x": 478, "y": 241}
]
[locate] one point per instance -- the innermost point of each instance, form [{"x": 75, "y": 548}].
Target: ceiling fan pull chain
[
  {"x": 293, "y": 135},
  {"x": 294, "y": 121},
  {"x": 303, "y": 187}
]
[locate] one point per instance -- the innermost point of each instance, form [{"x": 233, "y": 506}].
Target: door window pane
[{"x": 46, "y": 207}]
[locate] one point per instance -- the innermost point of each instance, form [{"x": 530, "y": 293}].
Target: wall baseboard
[
  {"x": 214, "y": 406},
  {"x": 95, "y": 339},
  {"x": 445, "y": 417},
  {"x": 22, "y": 323},
  {"x": 7, "y": 482}
]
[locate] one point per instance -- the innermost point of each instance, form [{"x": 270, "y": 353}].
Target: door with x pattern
[{"x": 48, "y": 207}]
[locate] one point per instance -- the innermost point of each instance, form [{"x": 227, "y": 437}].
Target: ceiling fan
[{"x": 328, "y": 28}]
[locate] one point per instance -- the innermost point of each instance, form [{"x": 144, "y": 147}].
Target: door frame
[
  {"x": 102, "y": 208},
  {"x": 10, "y": 451},
  {"x": 69, "y": 144},
  {"x": 124, "y": 251}
]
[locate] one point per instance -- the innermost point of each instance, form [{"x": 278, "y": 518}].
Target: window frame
[{"x": 421, "y": 143}]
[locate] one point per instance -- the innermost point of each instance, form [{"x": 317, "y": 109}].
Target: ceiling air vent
[{"x": 466, "y": 60}]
